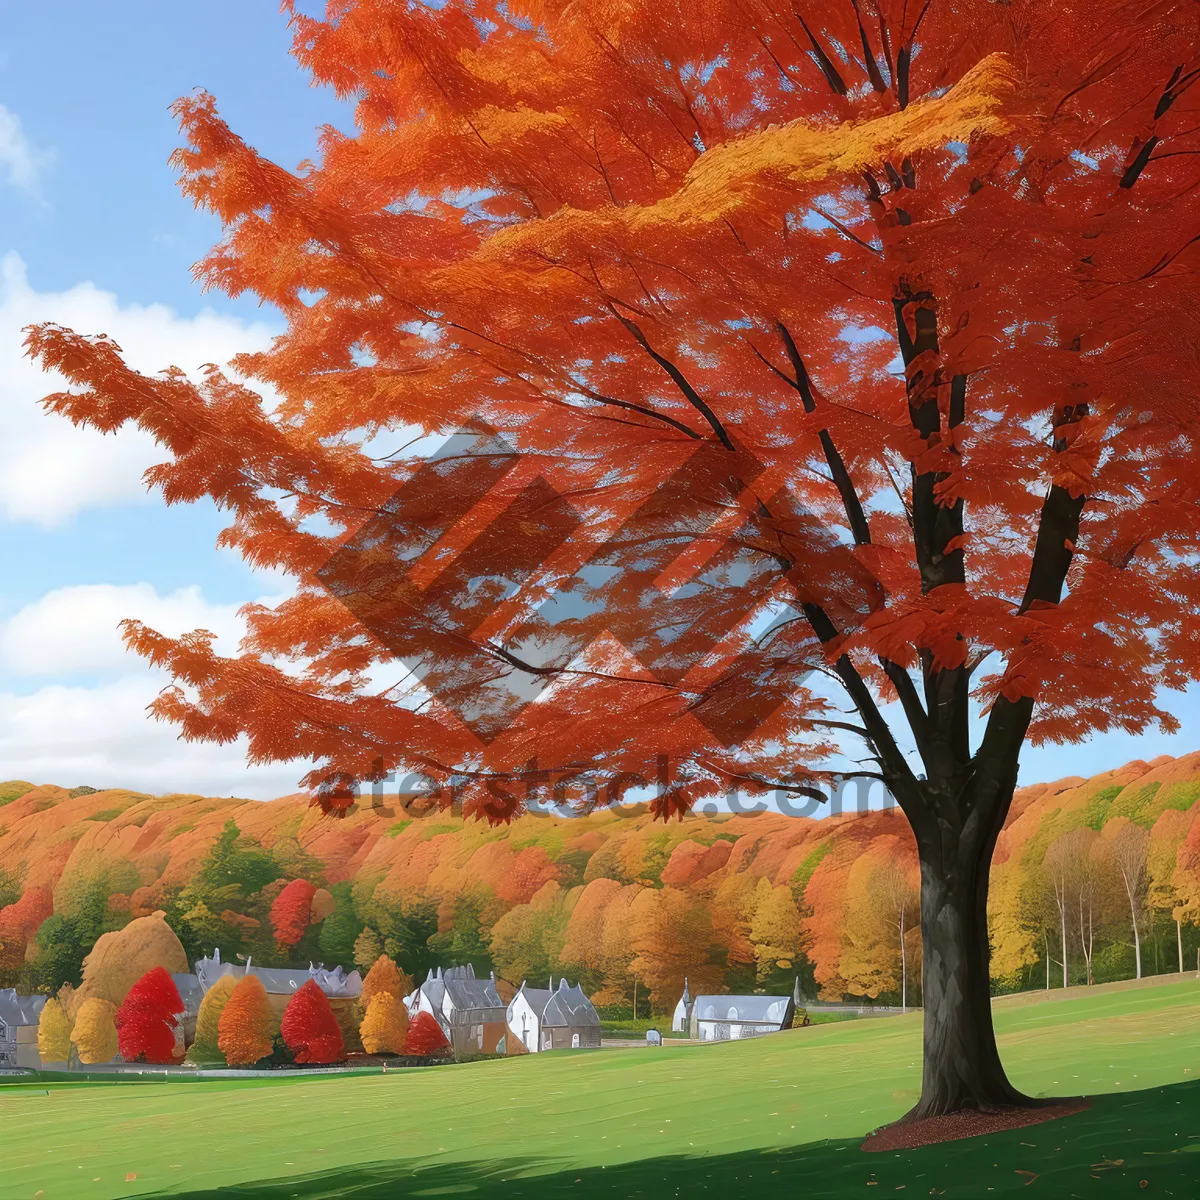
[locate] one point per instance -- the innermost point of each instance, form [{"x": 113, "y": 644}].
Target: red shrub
[
  {"x": 20, "y": 921},
  {"x": 291, "y": 911},
  {"x": 310, "y": 1029},
  {"x": 146, "y": 1020},
  {"x": 425, "y": 1036}
]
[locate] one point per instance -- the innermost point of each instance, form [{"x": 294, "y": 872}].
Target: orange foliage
[
  {"x": 690, "y": 862},
  {"x": 880, "y": 935},
  {"x": 245, "y": 1031},
  {"x": 384, "y": 1029},
  {"x": 385, "y": 976},
  {"x": 595, "y": 934},
  {"x": 291, "y": 912},
  {"x": 584, "y": 946},
  {"x": 530, "y": 872},
  {"x": 19, "y": 922},
  {"x": 583, "y": 229},
  {"x": 616, "y": 275},
  {"x": 1187, "y": 874},
  {"x": 670, "y": 934}
]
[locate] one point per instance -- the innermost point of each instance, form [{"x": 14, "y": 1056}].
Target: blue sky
[{"x": 94, "y": 233}]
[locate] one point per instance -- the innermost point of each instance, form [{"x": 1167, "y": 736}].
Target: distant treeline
[{"x": 1089, "y": 876}]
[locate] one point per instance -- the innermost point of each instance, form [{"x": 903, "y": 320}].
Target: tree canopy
[{"x": 867, "y": 322}]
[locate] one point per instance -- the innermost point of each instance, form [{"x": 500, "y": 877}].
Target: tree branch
[
  {"x": 837, "y": 465},
  {"x": 680, "y": 380}
]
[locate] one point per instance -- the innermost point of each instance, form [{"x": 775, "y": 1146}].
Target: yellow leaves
[
  {"x": 54, "y": 1032},
  {"x": 385, "y": 1026},
  {"x": 509, "y": 125},
  {"x": 736, "y": 174},
  {"x": 803, "y": 154},
  {"x": 95, "y": 1034}
]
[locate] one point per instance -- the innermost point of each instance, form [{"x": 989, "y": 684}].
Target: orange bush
[{"x": 245, "y": 1031}]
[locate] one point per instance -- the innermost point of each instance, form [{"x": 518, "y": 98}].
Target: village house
[
  {"x": 469, "y": 1010},
  {"x": 554, "y": 1018},
  {"x": 191, "y": 992},
  {"x": 281, "y": 983},
  {"x": 19, "y": 1017},
  {"x": 683, "y": 1011},
  {"x": 731, "y": 1018}
]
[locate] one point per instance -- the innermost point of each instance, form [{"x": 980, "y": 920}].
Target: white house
[
  {"x": 469, "y": 1010},
  {"x": 553, "y": 1018},
  {"x": 19, "y": 1017},
  {"x": 683, "y": 1011},
  {"x": 730, "y": 1018}
]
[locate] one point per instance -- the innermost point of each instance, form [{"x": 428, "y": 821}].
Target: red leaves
[
  {"x": 146, "y": 1021},
  {"x": 425, "y": 1036},
  {"x": 595, "y": 252},
  {"x": 19, "y": 923},
  {"x": 291, "y": 911},
  {"x": 309, "y": 1027}
]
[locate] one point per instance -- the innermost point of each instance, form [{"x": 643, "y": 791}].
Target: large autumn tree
[{"x": 871, "y": 320}]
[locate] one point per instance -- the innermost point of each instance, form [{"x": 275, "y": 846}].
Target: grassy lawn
[
  {"x": 636, "y": 1030},
  {"x": 777, "y": 1116}
]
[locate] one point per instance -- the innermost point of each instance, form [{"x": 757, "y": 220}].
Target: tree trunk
[
  {"x": 1062, "y": 916},
  {"x": 962, "y": 1068},
  {"x": 903, "y": 966},
  {"x": 1085, "y": 942},
  {"x": 1179, "y": 942},
  {"x": 1137, "y": 937}
]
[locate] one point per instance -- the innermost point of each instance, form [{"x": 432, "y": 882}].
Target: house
[
  {"x": 469, "y": 1010},
  {"x": 553, "y": 1018},
  {"x": 191, "y": 992},
  {"x": 282, "y": 983},
  {"x": 683, "y": 1011},
  {"x": 731, "y": 1018},
  {"x": 19, "y": 1016}
]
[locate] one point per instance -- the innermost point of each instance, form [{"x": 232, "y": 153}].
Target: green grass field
[{"x": 780, "y": 1116}]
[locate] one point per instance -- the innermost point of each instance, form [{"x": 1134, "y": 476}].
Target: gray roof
[
  {"x": 570, "y": 1007},
  {"x": 467, "y": 994},
  {"x": 564, "y": 1007},
  {"x": 474, "y": 994},
  {"x": 20, "y": 1010},
  {"x": 333, "y": 981},
  {"x": 434, "y": 990},
  {"x": 538, "y": 998},
  {"x": 766, "y": 1009}
]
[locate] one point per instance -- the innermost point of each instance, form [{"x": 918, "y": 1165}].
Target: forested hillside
[{"x": 732, "y": 902}]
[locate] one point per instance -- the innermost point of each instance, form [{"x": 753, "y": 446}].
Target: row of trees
[
  {"x": 1093, "y": 903},
  {"x": 1090, "y": 883},
  {"x": 244, "y": 899},
  {"x": 236, "y": 1023}
]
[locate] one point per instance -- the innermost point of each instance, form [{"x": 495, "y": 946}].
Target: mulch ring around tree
[{"x": 908, "y": 1135}]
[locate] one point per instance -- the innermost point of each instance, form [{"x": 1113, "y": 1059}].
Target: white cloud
[
  {"x": 50, "y": 470},
  {"x": 73, "y": 630},
  {"x": 103, "y": 737},
  {"x": 71, "y": 733},
  {"x": 20, "y": 160}
]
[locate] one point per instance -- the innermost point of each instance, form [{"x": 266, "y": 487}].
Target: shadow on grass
[{"x": 1107, "y": 1151}]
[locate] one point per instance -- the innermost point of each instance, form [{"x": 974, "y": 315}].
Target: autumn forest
[{"x": 735, "y": 902}]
